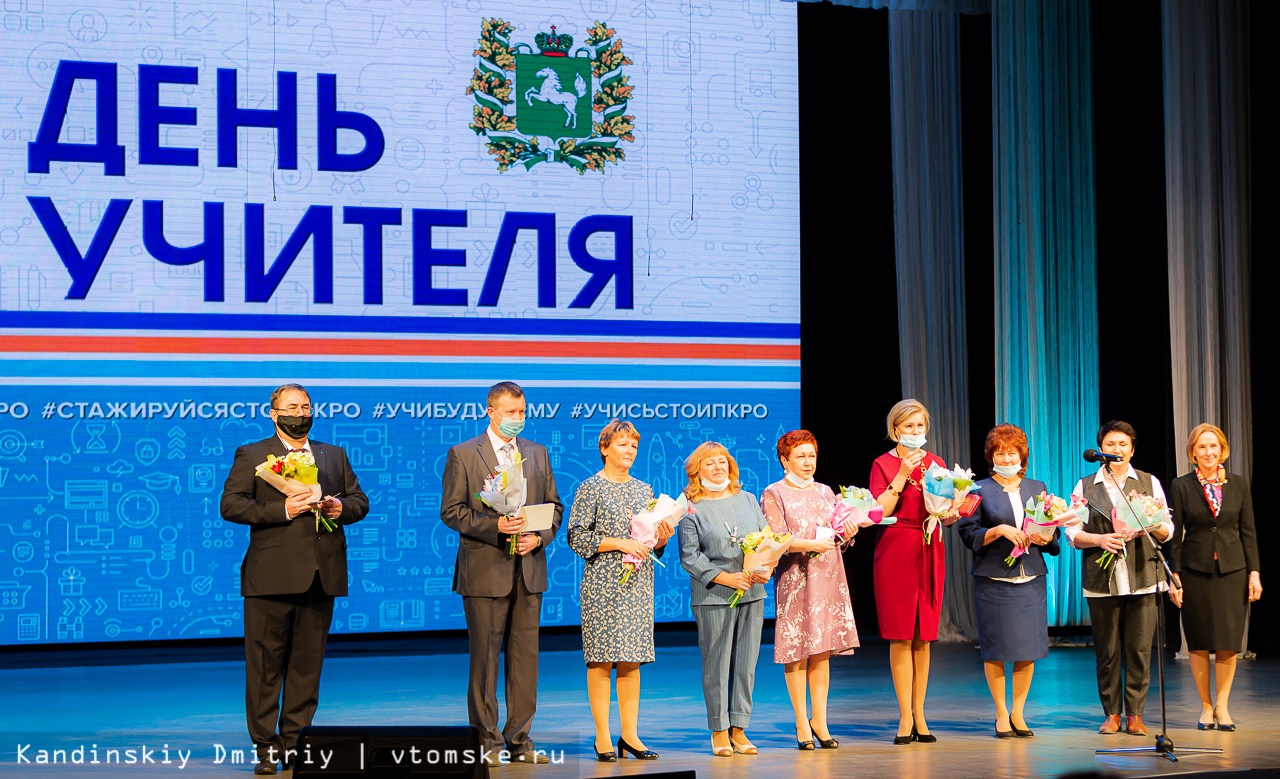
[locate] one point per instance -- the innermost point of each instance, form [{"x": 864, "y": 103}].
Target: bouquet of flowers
[
  {"x": 505, "y": 491},
  {"x": 1044, "y": 513},
  {"x": 296, "y": 474},
  {"x": 644, "y": 528},
  {"x": 856, "y": 508},
  {"x": 1144, "y": 511},
  {"x": 761, "y": 550},
  {"x": 944, "y": 490}
]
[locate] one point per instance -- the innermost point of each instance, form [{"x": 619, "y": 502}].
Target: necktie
[{"x": 508, "y": 453}]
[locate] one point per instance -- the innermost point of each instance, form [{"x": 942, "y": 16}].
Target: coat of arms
[{"x": 563, "y": 104}]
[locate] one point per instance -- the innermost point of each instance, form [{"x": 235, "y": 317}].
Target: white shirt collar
[
  {"x": 496, "y": 441},
  {"x": 306, "y": 445},
  {"x": 1102, "y": 477}
]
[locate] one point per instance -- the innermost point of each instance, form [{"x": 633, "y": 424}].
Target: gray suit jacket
[
  {"x": 709, "y": 546},
  {"x": 484, "y": 567}
]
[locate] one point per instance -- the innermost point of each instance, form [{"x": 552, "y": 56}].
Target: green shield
[{"x": 553, "y": 96}]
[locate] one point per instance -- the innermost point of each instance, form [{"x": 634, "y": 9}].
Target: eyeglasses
[{"x": 295, "y": 408}]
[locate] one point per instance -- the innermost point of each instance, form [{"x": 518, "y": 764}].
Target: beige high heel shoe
[{"x": 720, "y": 751}]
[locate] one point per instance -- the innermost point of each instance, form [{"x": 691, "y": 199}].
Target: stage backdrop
[{"x": 397, "y": 205}]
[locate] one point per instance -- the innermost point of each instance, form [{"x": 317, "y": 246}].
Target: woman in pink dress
[
  {"x": 908, "y": 573},
  {"x": 814, "y": 619}
]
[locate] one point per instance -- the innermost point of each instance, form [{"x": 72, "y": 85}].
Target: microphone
[{"x": 1094, "y": 456}]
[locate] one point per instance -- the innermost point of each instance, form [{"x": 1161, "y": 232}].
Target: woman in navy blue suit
[{"x": 1011, "y": 599}]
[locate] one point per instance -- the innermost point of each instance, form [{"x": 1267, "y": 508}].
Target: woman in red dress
[{"x": 908, "y": 572}]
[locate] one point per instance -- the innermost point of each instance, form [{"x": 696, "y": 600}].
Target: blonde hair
[
  {"x": 616, "y": 429},
  {"x": 693, "y": 465},
  {"x": 899, "y": 413},
  {"x": 1201, "y": 429}
]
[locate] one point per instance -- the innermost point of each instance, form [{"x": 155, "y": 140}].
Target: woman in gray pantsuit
[
  {"x": 617, "y": 617},
  {"x": 728, "y": 637}
]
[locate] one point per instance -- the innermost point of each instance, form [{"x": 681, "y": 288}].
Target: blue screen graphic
[{"x": 397, "y": 208}]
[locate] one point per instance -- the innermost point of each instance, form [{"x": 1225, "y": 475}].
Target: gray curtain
[
  {"x": 1206, "y": 119},
  {"x": 928, "y": 220},
  {"x": 955, "y": 6},
  {"x": 1046, "y": 332}
]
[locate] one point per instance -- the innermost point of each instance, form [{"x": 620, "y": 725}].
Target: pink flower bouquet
[
  {"x": 1143, "y": 511},
  {"x": 1044, "y": 513},
  {"x": 644, "y": 528}
]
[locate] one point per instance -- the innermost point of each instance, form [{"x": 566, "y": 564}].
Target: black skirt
[{"x": 1213, "y": 608}]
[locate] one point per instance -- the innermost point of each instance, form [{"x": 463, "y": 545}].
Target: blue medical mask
[
  {"x": 912, "y": 441},
  {"x": 1008, "y": 471},
  {"x": 511, "y": 427}
]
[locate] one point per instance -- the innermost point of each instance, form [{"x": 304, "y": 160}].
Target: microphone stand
[{"x": 1164, "y": 745}]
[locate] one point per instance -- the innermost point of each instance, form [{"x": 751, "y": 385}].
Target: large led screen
[{"x": 395, "y": 204}]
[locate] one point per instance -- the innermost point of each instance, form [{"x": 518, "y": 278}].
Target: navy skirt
[{"x": 1013, "y": 622}]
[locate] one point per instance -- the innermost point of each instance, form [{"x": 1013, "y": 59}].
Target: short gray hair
[{"x": 283, "y": 388}]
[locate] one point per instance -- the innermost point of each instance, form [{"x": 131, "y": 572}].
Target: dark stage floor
[{"x": 196, "y": 706}]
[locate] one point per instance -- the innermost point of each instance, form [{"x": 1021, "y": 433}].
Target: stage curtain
[
  {"x": 1206, "y": 152},
  {"x": 928, "y": 220},
  {"x": 954, "y": 6},
  {"x": 1046, "y": 331}
]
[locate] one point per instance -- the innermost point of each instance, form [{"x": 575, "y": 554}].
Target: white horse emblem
[{"x": 550, "y": 92}]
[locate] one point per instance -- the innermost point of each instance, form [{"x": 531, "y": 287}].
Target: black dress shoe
[
  {"x": 904, "y": 740},
  {"x": 265, "y": 768},
  {"x": 923, "y": 738},
  {"x": 1002, "y": 733},
  {"x": 530, "y": 756},
  {"x": 805, "y": 746},
  {"x": 825, "y": 743},
  {"x": 607, "y": 757},
  {"x": 1023, "y": 732},
  {"x": 624, "y": 749}
]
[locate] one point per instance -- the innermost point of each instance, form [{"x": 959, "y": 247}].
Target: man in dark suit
[
  {"x": 292, "y": 571},
  {"x": 501, "y": 592}
]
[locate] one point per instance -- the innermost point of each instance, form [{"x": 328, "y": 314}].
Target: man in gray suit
[{"x": 501, "y": 592}]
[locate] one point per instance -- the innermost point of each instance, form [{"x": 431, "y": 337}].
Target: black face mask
[{"x": 294, "y": 427}]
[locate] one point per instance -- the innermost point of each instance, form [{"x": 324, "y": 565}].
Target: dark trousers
[
  {"x": 284, "y": 640},
  {"x": 1124, "y": 628},
  {"x": 508, "y": 624}
]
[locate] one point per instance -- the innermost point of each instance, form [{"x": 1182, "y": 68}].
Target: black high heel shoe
[
  {"x": 805, "y": 746},
  {"x": 825, "y": 743},
  {"x": 607, "y": 757},
  {"x": 1002, "y": 733},
  {"x": 624, "y": 749},
  {"x": 923, "y": 738}
]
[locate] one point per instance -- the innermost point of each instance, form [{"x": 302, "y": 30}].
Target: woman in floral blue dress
[{"x": 617, "y": 617}]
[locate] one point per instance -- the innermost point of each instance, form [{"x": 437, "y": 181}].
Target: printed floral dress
[
  {"x": 814, "y": 613},
  {"x": 617, "y": 619}
]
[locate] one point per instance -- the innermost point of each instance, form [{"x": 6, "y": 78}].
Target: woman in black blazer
[
  {"x": 1011, "y": 600},
  {"x": 1214, "y": 557}
]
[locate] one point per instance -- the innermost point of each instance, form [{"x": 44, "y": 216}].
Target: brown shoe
[
  {"x": 1111, "y": 725},
  {"x": 1134, "y": 727}
]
